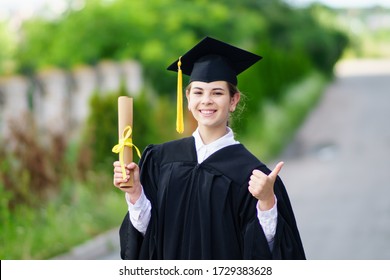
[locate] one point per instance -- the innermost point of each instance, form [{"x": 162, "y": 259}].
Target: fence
[{"x": 58, "y": 100}]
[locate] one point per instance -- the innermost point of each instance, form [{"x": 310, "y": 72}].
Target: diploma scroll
[{"x": 125, "y": 119}]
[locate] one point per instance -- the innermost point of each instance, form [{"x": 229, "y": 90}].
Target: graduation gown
[{"x": 205, "y": 211}]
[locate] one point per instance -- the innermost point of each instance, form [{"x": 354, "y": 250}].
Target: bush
[
  {"x": 31, "y": 166},
  {"x": 46, "y": 206}
]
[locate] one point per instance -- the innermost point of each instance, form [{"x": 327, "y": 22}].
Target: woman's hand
[
  {"x": 261, "y": 186},
  {"x": 134, "y": 191}
]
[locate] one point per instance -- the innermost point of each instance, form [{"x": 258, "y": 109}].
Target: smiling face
[{"x": 211, "y": 104}]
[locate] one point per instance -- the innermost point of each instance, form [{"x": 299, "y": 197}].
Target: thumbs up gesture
[{"x": 261, "y": 186}]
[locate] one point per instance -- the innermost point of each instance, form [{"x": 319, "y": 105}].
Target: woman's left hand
[{"x": 261, "y": 186}]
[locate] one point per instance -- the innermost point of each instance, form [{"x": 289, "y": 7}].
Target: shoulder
[
  {"x": 240, "y": 156},
  {"x": 178, "y": 145},
  {"x": 236, "y": 162},
  {"x": 175, "y": 150}
]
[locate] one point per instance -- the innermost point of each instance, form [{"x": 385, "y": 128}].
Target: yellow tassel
[{"x": 179, "y": 116}]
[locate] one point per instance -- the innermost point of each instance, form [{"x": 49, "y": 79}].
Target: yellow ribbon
[{"x": 119, "y": 148}]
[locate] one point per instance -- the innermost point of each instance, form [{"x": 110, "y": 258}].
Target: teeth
[{"x": 207, "y": 112}]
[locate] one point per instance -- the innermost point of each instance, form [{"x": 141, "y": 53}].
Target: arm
[
  {"x": 261, "y": 186},
  {"x": 265, "y": 188},
  {"x": 268, "y": 220},
  {"x": 140, "y": 212},
  {"x": 138, "y": 205}
]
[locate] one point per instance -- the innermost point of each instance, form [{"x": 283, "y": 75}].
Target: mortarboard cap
[{"x": 208, "y": 61}]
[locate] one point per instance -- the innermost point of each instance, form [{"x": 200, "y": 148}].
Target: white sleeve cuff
[
  {"x": 139, "y": 212},
  {"x": 268, "y": 220}
]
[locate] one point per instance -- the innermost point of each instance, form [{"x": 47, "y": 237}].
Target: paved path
[
  {"x": 103, "y": 247},
  {"x": 337, "y": 169},
  {"x": 336, "y": 172}
]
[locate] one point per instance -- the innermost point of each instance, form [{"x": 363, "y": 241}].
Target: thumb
[{"x": 276, "y": 170}]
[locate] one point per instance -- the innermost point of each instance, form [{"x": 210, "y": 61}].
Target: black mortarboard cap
[
  {"x": 213, "y": 60},
  {"x": 208, "y": 61}
]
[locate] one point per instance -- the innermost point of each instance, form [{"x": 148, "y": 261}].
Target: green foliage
[
  {"x": 7, "y": 48},
  {"x": 78, "y": 213},
  {"x": 31, "y": 166},
  {"x": 101, "y": 132},
  {"x": 274, "y": 126},
  {"x": 293, "y": 42},
  {"x": 45, "y": 207},
  {"x": 156, "y": 32},
  {"x": 49, "y": 201}
]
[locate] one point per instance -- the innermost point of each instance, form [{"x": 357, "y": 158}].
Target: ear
[{"x": 234, "y": 101}]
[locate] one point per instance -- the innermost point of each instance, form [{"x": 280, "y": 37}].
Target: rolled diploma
[{"x": 125, "y": 118}]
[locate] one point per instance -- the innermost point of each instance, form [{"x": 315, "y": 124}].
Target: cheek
[
  {"x": 188, "y": 101},
  {"x": 193, "y": 102}
]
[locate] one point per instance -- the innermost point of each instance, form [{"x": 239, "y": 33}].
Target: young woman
[{"x": 207, "y": 196}]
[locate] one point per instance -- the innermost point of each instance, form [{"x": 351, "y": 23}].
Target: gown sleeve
[
  {"x": 133, "y": 245},
  {"x": 287, "y": 242}
]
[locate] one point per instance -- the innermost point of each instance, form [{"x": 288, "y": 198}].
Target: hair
[{"x": 241, "y": 104}]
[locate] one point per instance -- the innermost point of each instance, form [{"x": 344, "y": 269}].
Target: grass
[{"x": 80, "y": 212}]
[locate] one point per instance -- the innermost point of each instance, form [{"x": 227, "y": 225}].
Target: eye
[
  {"x": 197, "y": 92},
  {"x": 218, "y": 93}
]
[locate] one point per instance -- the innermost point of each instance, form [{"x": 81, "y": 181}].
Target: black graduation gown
[{"x": 205, "y": 211}]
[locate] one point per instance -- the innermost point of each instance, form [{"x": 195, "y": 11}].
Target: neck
[{"x": 209, "y": 135}]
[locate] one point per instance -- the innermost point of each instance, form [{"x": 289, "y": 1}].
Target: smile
[{"x": 207, "y": 112}]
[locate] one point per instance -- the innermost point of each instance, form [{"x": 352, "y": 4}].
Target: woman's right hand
[{"x": 135, "y": 191}]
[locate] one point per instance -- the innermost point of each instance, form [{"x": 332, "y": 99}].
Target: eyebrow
[{"x": 199, "y": 88}]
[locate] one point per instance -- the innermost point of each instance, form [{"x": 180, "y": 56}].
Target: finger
[
  {"x": 119, "y": 170},
  {"x": 120, "y": 175},
  {"x": 257, "y": 174},
  {"x": 276, "y": 170},
  {"x": 135, "y": 172},
  {"x": 132, "y": 166},
  {"x": 252, "y": 189},
  {"x": 119, "y": 181},
  {"x": 258, "y": 179},
  {"x": 253, "y": 184}
]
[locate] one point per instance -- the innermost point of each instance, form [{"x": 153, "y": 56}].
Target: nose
[{"x": 206, "y": 98}]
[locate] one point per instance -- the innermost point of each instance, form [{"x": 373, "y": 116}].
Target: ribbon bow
[{"x": 119, "y": 148}]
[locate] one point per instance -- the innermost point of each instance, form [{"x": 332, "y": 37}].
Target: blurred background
[{"x": 63, "y": 64}]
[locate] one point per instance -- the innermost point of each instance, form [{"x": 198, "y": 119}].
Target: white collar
[{"x": 204, "y": 151}]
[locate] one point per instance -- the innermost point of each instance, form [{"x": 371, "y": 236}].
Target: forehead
[{"x": 209, "y": 86}]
